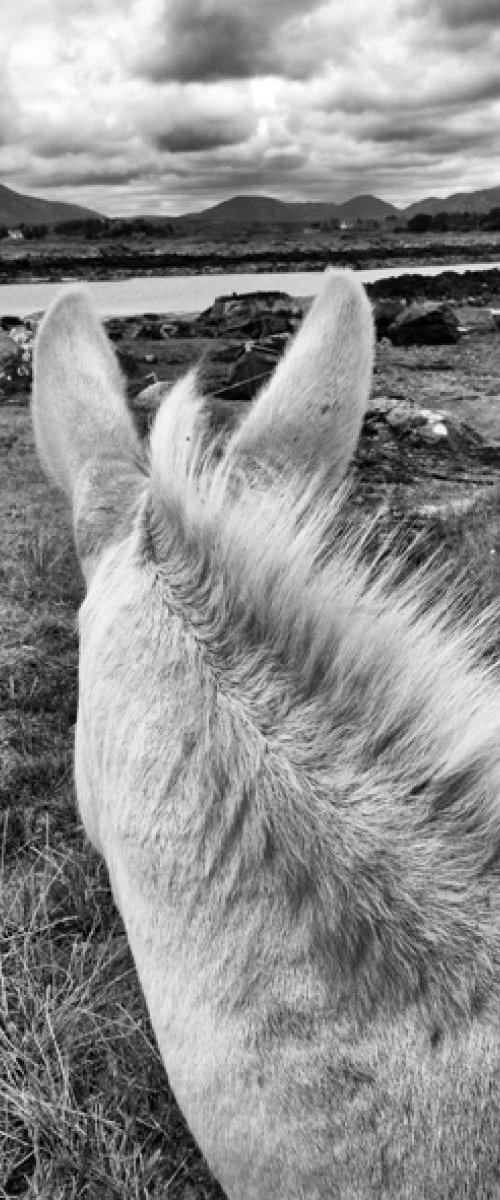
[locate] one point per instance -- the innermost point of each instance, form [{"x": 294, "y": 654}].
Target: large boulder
[
  {"x": 425, "y": 325},
  {"x": 252, "y": 315}
]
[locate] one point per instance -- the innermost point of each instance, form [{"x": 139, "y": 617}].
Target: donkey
[{"x": 291, "y": 764}]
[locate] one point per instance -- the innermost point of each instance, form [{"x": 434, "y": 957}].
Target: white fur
[{"x": 290, "y": 764}]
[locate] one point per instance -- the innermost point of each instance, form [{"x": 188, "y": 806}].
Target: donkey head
[
  {"x": 165, "y": 758},
  {"x": 290, "y": 767}
]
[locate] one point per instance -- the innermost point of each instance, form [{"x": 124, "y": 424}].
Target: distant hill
[
  {"x": 481, "y": 202},
  {"x": 267, "y": 211},
  {"x": 366, "y": 208},
  {"x": 260, "y": 210},
  {"x": 16, "y": 209}
]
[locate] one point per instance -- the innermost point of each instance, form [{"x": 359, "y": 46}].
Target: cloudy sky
[{"x": 165, "y": 106}]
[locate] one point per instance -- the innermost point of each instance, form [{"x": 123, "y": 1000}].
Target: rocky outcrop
[
  {"x": 423, "y": 452},
  {"x": 480, "y": 287},
  {"x": 253, "y": 315},
  {"x": 424, "y": 325}
]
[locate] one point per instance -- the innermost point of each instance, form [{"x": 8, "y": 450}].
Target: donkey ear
[
  {"x": 79, "y": 410},
  {"x": 83, "y": 431},
  {"x": 309, "y": 416}
]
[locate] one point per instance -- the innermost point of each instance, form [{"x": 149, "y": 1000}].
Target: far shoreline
[
  {"x": 190, "y": 294},
  {"x": 22, "y": 272}
]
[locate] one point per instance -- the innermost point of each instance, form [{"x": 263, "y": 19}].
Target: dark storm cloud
[
  {"x": 464, "y": 82},
  {"x": 434, "y": 140},
  {"x": 192, "y": 136},
  {"x": 207, "y": 40},
  {"x": 83, "y": 174},
  {"x": 386, "y": 132},
  {"x": 460, "y": 14},
  {"x": 65, "y": 143}
]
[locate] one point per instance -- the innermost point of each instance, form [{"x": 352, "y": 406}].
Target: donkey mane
[
  {"x": 253, "y": 574},
  {"x": 310, "y": 650}
]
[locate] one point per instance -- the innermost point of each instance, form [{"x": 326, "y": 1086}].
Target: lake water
[{"x": 193, "y": 293}]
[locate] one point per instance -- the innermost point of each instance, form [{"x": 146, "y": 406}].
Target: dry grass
[
  {"x": 463, "y": 547},
  {"x": 85, "y": 1109}
]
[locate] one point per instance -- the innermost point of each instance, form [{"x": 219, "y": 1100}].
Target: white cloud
[{"x": 161, "y": 105}]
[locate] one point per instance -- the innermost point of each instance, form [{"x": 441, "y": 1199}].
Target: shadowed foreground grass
[{"x": 85, "y": 1109}]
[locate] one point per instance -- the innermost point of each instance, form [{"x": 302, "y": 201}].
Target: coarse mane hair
[{"x": 311, "y": 650}]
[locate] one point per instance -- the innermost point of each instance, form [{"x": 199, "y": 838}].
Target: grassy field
[
  {"x": 250, "y": 246},
  {"x": 85, "y": 1109}
]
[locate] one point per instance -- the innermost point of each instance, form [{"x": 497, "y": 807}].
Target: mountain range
[
  {"x": 264, "y": 210},
  {"x": 241, "y": 211},
  {"x": 480, "y": 202}
]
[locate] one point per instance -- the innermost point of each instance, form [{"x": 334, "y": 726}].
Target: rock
[
  {"x": 474, "y": 319},
  {"x": 150, "y": 331},
  {"x": 7, "y": 323},
  {"x": 434, "y": 431},
  {"x": 253, "y": 315},
  {"x": 170, "y": 329},
  {"x": 116, "y": 328},
  {"x": 251, "y": 367},
  {"x": 425, "y": 325},
  {"x": 409, "y": 454},
  {"x": 426, "y": 424},
  {"x": 385, "y": 313},
  {"x": 9, "y": 350}
]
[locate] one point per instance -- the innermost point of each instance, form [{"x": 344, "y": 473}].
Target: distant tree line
[
  {"x": 105, "y": 228},
  {"x": 101, "y": 227},
  {"x": 28, "y": 231},
  {"x": 92, "y": 228},
  {"x": 443, "y": 222}
]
